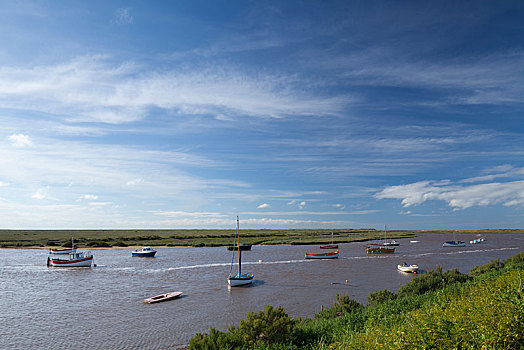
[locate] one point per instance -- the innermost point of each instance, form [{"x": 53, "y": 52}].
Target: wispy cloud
[
  {"x": 123, "y": 16},
  {"x": 263, "y": 206},
  {"x": 91, "y": 88}
]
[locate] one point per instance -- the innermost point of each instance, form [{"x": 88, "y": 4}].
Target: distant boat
[
  {"x": 62, "y": 251},
  {"x": 242, "y": 247},
  {"x": 145, "y": 252},
  {"x": 390, "y": 243},
  {"x": 162, "y": 297},
  {"x": 239, "y": 279},
  {"x": 454, "y": 243},
  {"x": 478, "y": 240},
  {"x": 330, "y": 255},
  {"x": 408, "y": 268},
  {"x": 329, "y": 246},
  {"x": 73, "y": 259},
  {"x": 380, "y": 248}
]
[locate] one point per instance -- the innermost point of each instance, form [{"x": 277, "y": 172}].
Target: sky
[{"x": 289, "y": 114}]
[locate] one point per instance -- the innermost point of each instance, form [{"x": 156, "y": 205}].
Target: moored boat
[
  {"x": 379, "y": 249},
  {"x": 330, "y": 246},
  {"x": 391, "y": 243},
  {"x": 454, "y": 243},
  {"x": 145, "y": 252},
  {"x": 75, "y": 259},
  {"x": 239, "y": 279},
  {"x": 162, "y": 297},
  {"x": 329, "y": 255},
  {"x": 62, "y": 251},
  {"x": 242, "y": 247},
  {"x": 405, "y": 267}
]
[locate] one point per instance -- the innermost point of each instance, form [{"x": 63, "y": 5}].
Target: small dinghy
[
  {"x": 408, "y": 268},
  {"x": 162, "y": 297},
  {"x": 330, "y": 255}
]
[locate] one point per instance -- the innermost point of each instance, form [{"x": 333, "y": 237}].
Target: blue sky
[{"x": 290, "y": 114}]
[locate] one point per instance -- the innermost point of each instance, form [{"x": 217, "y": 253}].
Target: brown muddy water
[{"x": 101, "y": 308}]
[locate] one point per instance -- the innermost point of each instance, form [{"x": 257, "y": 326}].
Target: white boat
[
  {"x": 408, "y": 268},
  {"x": 145, "y": 252},
  {"x": 239, "y": 279},
  {"x": 75, "y": 259},
  {"x": 64, "y": 250},
  {"x": 391, "y": 243},
  {"x": 478, "y": 240}
]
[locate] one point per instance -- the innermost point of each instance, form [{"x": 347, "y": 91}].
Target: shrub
[
  {"x": 493, "y": 265},
  {"x": 433, "y": 280},
  {"x": 215, "y": 340},
  {"x": 120, "y": 244},
  {"x": 380, "y": 297},
  {"x": 343, "y": 305},
  {"x": 271, "y": 326}
]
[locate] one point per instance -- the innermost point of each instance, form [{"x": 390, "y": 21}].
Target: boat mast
[
  {"x": 239, "y": 253},
  {"x": 385, "y": 234}
]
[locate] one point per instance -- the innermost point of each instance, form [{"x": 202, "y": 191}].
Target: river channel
[{"x": 101, "y": 308}]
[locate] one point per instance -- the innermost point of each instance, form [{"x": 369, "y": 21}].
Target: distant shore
[{"x": 132, "y": 239}]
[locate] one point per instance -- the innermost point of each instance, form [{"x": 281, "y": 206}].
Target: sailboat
[
  {"x": 330, "y": 246},
  {"x": 239, "y": 279},
  {"x": 379, "y": 248},
  {"x": 454, "y": 243},
  {"x": 390, "y": 243}
]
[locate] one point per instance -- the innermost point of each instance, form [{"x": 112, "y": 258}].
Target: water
[{"x": 101, "y": 307}]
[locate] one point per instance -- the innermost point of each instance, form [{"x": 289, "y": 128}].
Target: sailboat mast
[
  {"x": 239, "y": 253},
  {"x": 385, "y": 234}
]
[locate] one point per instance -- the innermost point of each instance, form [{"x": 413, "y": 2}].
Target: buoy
[
  {"x": 94, "y": 265},
  {"x": 346, "y": 281},
  {"x": 260, "y": 260},
  {"x": 321, "y": 307}
]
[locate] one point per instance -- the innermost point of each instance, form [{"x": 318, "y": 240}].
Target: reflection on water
[{"x": 101, "y": 307}]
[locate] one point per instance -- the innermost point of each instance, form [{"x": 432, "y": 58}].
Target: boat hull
[
  {"x": 329, "y": 246},
  {"x": 144, "y": 255},
  {"x": 162, "y": 297},
  {"x": 62, "y": 251},
  {"x": 243, "y": 247},
  {"x": 408, "y": 268},
  {"x": 332, "y": 255},
  {"x": 454, "y": 244},
  {"x": 85, "y": 262},
  {"x": 380, "y": 250},
  {"x": 242, "y": 280}
]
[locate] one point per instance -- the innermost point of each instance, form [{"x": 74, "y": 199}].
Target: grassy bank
[
  {"x": 437, "y": 310},
  {"x": 199, "y": 238}
]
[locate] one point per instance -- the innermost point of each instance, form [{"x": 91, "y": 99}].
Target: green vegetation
[
  {"x": 436, "y": 310},
  {"x": 199, "y": 238},
  {"x": 190, "y": 238}
]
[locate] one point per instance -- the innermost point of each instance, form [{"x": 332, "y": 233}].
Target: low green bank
[{"x": 438, "y": 310}]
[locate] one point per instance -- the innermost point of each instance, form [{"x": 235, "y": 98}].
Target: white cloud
[
  {"x": 262, "y": 206},
  {"x": 20, "y": 140},
  {"x": 339, "y": 206},
  {"x": 89, "y": 197},
  {"x": 457, "y": 196},
  {"x": 302, "y": 204}
]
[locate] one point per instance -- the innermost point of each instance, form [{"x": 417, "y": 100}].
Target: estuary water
[{"x": 101, "y": 308}]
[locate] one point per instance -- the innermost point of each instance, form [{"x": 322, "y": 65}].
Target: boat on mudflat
[
  {"x": 75, "y": 259},
  {"x": 405, "y": 267},
  {"x": 162, "y": 297},
  {"x": 329, "y": 246},
  {"x": 329, "y": 255},
  {"x": 145, "y": 252}
]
